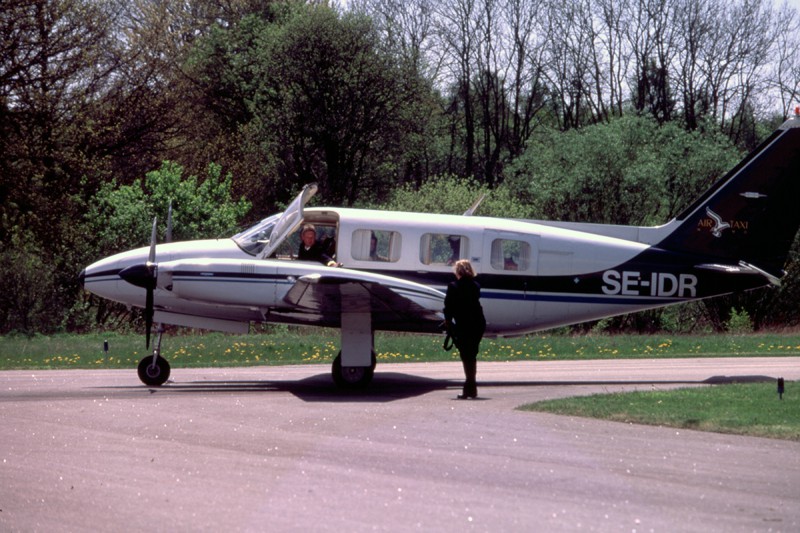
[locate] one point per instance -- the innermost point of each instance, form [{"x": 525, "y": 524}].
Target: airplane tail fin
[{"x": 752, "y": 214}]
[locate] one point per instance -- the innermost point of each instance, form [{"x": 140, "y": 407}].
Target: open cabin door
[{"x": 289, "y": 221}]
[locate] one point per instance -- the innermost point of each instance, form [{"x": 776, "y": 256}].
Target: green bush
[
  {"x": 29, "y": 301},
  {"x": 453, "y": 195},
  {"x": 122, "y": 215},
  {"x": 739, "y": 322}
]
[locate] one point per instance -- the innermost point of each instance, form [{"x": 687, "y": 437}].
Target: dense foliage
[{"x": 594, "y": 110}]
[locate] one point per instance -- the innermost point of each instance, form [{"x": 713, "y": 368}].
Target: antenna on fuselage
[{"x": 471, "y": 211}]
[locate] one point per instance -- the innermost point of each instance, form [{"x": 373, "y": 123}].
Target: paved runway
[{"x": 279, "y": 449}]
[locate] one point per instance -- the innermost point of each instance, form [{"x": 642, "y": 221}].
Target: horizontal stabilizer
[{"x": 741, "y": 268}]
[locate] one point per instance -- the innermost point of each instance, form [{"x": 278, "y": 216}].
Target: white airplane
[{"x": 534, "y": 274}]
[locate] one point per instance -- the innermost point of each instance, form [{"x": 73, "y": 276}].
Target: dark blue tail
[{"x": 752, "y": 214}]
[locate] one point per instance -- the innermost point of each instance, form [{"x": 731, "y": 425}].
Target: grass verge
[
  {"x": 317, "y": 345},
  {"x": 753, "y": 409}
]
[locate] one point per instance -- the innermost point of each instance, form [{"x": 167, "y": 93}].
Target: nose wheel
[{"x": 153, "y": 370}]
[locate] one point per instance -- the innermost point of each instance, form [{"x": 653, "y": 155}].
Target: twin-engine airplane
[{"x": 534, "y": 274}]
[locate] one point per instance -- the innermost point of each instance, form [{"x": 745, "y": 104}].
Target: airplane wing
[
  {"x": 293, "y": 292},
  {"x": 393, "y": 303}
]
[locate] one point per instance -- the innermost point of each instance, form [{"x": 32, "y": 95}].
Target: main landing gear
[
  {"x": 352, "y": 377},
  {"x": 354, "y": 366}
]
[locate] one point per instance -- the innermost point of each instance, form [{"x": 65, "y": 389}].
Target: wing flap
[{"x": 389, "y": 300}]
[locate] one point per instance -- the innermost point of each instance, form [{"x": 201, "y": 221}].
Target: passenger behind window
[
  {"x": 455, "y": 249},
  {"x": 508, "y": 254},
  {"x": 373, "y": 249},
  {"x": 442, "y": 249},
  {"x": 375, "y": 245}
]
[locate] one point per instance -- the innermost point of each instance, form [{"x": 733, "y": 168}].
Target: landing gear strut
[
  {"x": 355, "y": 369},
  {"x": 154, "y": 370}
]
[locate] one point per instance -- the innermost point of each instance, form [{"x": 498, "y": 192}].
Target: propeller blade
[
  {"x": 153, "y": 237},
  {"x": 145, "y": 275},
  {"x": 169, "y": 222},
  {"x": 152, "y": 277}
]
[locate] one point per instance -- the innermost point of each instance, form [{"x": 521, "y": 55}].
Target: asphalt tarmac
[{"x": 280, "y": 449}]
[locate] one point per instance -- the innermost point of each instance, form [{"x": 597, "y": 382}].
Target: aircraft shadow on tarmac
[
  {"x": 385, "y": 387},
  {"x": 391, "y": 386}
]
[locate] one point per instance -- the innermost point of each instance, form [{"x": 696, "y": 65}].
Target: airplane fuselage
[{"x": 533, "y": 276}]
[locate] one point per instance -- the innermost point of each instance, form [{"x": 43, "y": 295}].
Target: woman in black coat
[{"x": 465, "y": 322}]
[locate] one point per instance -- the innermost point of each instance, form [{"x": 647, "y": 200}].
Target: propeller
[
  {"x": 169, "y": 223},
  {"x": 145, "y": 276}
]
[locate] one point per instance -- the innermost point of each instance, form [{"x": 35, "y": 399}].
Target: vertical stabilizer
[{"x": 751, "y": 214}]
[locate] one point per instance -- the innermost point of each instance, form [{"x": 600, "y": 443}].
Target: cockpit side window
[
  {"x": 442, "y": 249},
  {"x": 253, "y": 239}
]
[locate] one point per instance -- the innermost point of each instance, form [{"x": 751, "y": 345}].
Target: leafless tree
[
  {"x": 526, "y": 89},
  {"x": 785, "y": 72}
]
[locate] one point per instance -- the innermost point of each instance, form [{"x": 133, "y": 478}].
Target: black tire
[
  {"x": 153, "y": 375},
  {"x": 352, "y": 377}
]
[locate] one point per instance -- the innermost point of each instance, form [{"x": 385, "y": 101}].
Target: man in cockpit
[{"x": 311, "y": 250}]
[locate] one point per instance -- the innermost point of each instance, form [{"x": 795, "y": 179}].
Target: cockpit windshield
[
  {"x": 256, "y": 237},
  {"x": 263, "y": 239}
]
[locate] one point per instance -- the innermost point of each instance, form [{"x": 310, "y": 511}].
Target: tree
[
  {"x": 72, "y": 104},
  {"x": 336, "y": 99},
  {"x": 315, "y": 93},
  {"x": 526, "y": 62},
  {"x": 122, "y": 214},
  {"x": 570, "y": 52},
  {"x": 629, "y": 171},
  {"x": 786, "y": 74},
  {"x": 653, "y": 94},
  {"x": 30, "y": 301},
  {"x": 53, "y": 62},
  {"x": 456, "y": 27}
]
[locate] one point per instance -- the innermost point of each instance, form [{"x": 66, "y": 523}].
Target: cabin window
[
  {"x": 509, "y": 254},
  {"x": 442, "y": 248},
  {"x": 375, "y": 245}
]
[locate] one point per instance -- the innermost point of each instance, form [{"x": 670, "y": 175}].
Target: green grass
[
  {"x": 317, "y": 345},
  {"x": 753, "y": 409}
]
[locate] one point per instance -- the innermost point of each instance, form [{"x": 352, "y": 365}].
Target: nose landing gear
[{"x": 154, "y": 370}]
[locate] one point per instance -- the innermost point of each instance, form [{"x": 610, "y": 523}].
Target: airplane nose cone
[{"x": 82, "y": 277}]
